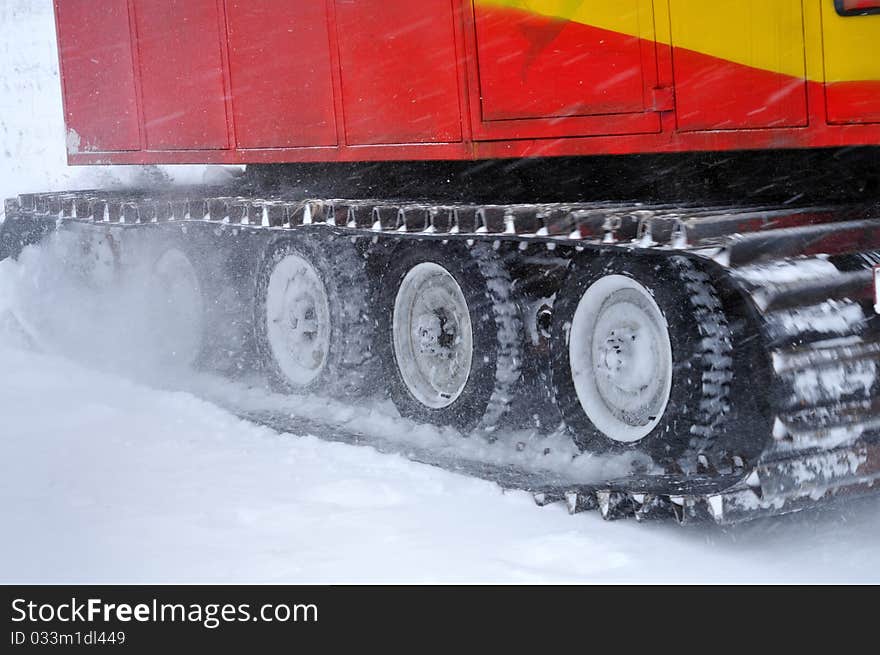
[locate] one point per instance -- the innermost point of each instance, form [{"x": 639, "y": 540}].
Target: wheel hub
[
  {"x": 303, "y": 325},
  {"x": 627, "y": 355},
  {"x": 435, "y": 334}
]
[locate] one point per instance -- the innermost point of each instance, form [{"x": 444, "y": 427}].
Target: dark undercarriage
[{"x": 782, "y": 176}]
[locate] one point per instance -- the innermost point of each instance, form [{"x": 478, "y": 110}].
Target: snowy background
[{"x": 107, "y": 478}]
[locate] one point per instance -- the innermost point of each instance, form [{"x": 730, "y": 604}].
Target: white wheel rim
[
  {"x": 432, "y": 334},
  {"x": 621, "y": 358},
  {"x": 298, "y": 319},
  {"x": 180, "y": 301}
]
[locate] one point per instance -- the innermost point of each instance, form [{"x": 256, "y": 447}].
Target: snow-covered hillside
[{"x": 108, "y": 475}]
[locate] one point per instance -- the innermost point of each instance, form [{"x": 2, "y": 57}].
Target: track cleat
[{"x": 615, "y": 504}]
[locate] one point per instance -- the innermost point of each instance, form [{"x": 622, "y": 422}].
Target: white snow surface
[
  {"x": 103, "y": 479},
  {"x": 108, "y": 476}
]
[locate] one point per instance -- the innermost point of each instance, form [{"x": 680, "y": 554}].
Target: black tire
[
  {"x": 702, "y": 364},
  {"x": 497, "y": 333},
  {"x": 348, "y": 367}
]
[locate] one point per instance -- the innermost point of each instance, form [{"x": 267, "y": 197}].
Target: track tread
[
  {"x": 716, "y": 348},
  {"x": 510, "y": 334}
]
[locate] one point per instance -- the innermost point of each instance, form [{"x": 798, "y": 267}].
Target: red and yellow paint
[{"x": 737, "y": 64}]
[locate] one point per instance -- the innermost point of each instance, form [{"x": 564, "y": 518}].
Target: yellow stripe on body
[
  {"x": 632, "y": 17},
  {"x": 759, "y": 33},
  {"x": 852, "y": 46},
  {"x": 763, "y": 34}
]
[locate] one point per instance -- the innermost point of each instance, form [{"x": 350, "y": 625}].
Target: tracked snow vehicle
[{"x": 730, "y": 340}]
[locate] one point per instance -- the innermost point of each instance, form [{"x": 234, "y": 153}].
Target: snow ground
[{"x": 106, "y": 479}]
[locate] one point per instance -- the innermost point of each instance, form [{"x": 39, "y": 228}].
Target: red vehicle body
[{"x": 271, "y": 81}]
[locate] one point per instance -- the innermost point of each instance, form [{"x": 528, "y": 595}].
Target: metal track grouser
[{"x": 733, "y": 351}]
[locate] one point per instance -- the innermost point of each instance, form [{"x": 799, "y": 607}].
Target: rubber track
[
  {"x": 717, "y": 346},
  {"x": 507, "y": 369}
]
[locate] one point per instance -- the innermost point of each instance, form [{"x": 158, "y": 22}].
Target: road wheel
[
  {"x": 177, "y": 326},
  {"x": 453, "y": 335},
  {"x": 312, "y": 318},
  {"x": 642, "y": 355}
]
